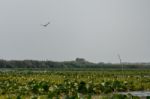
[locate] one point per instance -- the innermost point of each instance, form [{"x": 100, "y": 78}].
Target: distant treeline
[{"x": 78, "y": 63}]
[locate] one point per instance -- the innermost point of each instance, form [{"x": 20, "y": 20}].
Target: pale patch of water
[{"x": 137, "y": 93}]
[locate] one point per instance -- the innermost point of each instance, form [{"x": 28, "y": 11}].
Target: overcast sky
[{"x": 96, "y": 30}]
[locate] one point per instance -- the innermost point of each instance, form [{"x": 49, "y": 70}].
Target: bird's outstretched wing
[{"x": 45, "y": 25}]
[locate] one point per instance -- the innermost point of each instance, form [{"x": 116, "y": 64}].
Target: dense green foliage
[{"x": 72, "y": 84}]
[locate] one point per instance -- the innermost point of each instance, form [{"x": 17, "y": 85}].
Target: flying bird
[{"x": 45, "y": 25}]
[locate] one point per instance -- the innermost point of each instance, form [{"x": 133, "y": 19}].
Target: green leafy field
[{"x": 72, "y": 84}]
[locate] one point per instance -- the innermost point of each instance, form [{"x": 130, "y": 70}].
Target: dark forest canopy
[{"x": 78, "y": 63}]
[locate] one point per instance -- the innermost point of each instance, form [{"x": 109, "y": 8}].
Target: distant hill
[{"x": 77, "y": 63}]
